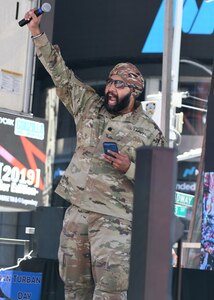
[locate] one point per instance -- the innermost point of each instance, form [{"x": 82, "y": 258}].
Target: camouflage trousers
[{"x": 94, "y": 256}]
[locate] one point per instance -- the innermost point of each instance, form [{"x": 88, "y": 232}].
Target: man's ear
[{"x": 133, "y": 94}]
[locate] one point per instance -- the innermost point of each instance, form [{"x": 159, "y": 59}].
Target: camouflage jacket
[{"x": 89, "y": 181}]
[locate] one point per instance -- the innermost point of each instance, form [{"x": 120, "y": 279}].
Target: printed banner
[
  {"x": 22, "y": 161},
  {"x": 207, "y": 233},
  {"x": 16, "y": 285}
]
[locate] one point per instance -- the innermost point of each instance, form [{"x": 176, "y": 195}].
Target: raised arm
[{"x": 75, "y": 95}]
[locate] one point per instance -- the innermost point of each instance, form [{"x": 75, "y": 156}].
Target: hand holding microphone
[{"x": 46, "y": 7}]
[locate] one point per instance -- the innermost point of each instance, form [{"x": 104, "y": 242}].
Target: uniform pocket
[{"x": 74, "y": 250}]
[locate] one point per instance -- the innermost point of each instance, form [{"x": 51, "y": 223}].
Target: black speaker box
[
  {"x": 151, "y": 249},
  {"x": 48, "y": 224}
]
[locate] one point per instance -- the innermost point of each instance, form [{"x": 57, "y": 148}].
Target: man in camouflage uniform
[{"x": 95, "y": 240}]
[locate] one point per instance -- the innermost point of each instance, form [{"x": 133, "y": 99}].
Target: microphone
[{"x": 46, "y": 7}]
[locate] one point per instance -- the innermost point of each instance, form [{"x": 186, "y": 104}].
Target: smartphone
[{"x": 110, "y": 146}]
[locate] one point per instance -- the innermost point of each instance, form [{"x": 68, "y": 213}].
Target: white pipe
[
  {"x": 193, "y": 107},
  {"x": 30, "y": 68},
  {"x": 196, "y": 64},
  {"x": 176, "y": 44}
]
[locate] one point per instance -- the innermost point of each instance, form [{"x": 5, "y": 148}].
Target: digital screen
[
  {"x": 22, "y": 161},
  {"x": 96, "y": 33}
]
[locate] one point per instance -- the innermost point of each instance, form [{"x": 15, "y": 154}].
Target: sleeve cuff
[
  {"x": 41, "y": 41},
  {"x": 130, "y": 174}
]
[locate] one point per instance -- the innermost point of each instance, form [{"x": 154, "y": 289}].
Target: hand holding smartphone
[{"x": 110, "y": 146}]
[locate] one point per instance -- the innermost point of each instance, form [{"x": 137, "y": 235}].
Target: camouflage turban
[{"x": 130, "y": 75}]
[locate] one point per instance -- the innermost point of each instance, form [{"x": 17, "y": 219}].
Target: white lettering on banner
[
  {"x": 24, "y": 181},
  {"x": 6, "y": 121},
  {"x": 11, "y": 199},
  {"x": 23, "y": 189},
  {"x": 4, "y": 187},
  {"x": 186, "y": 186}
]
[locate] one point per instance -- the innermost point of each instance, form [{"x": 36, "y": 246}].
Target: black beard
[{"x": 119, "y": 106}]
